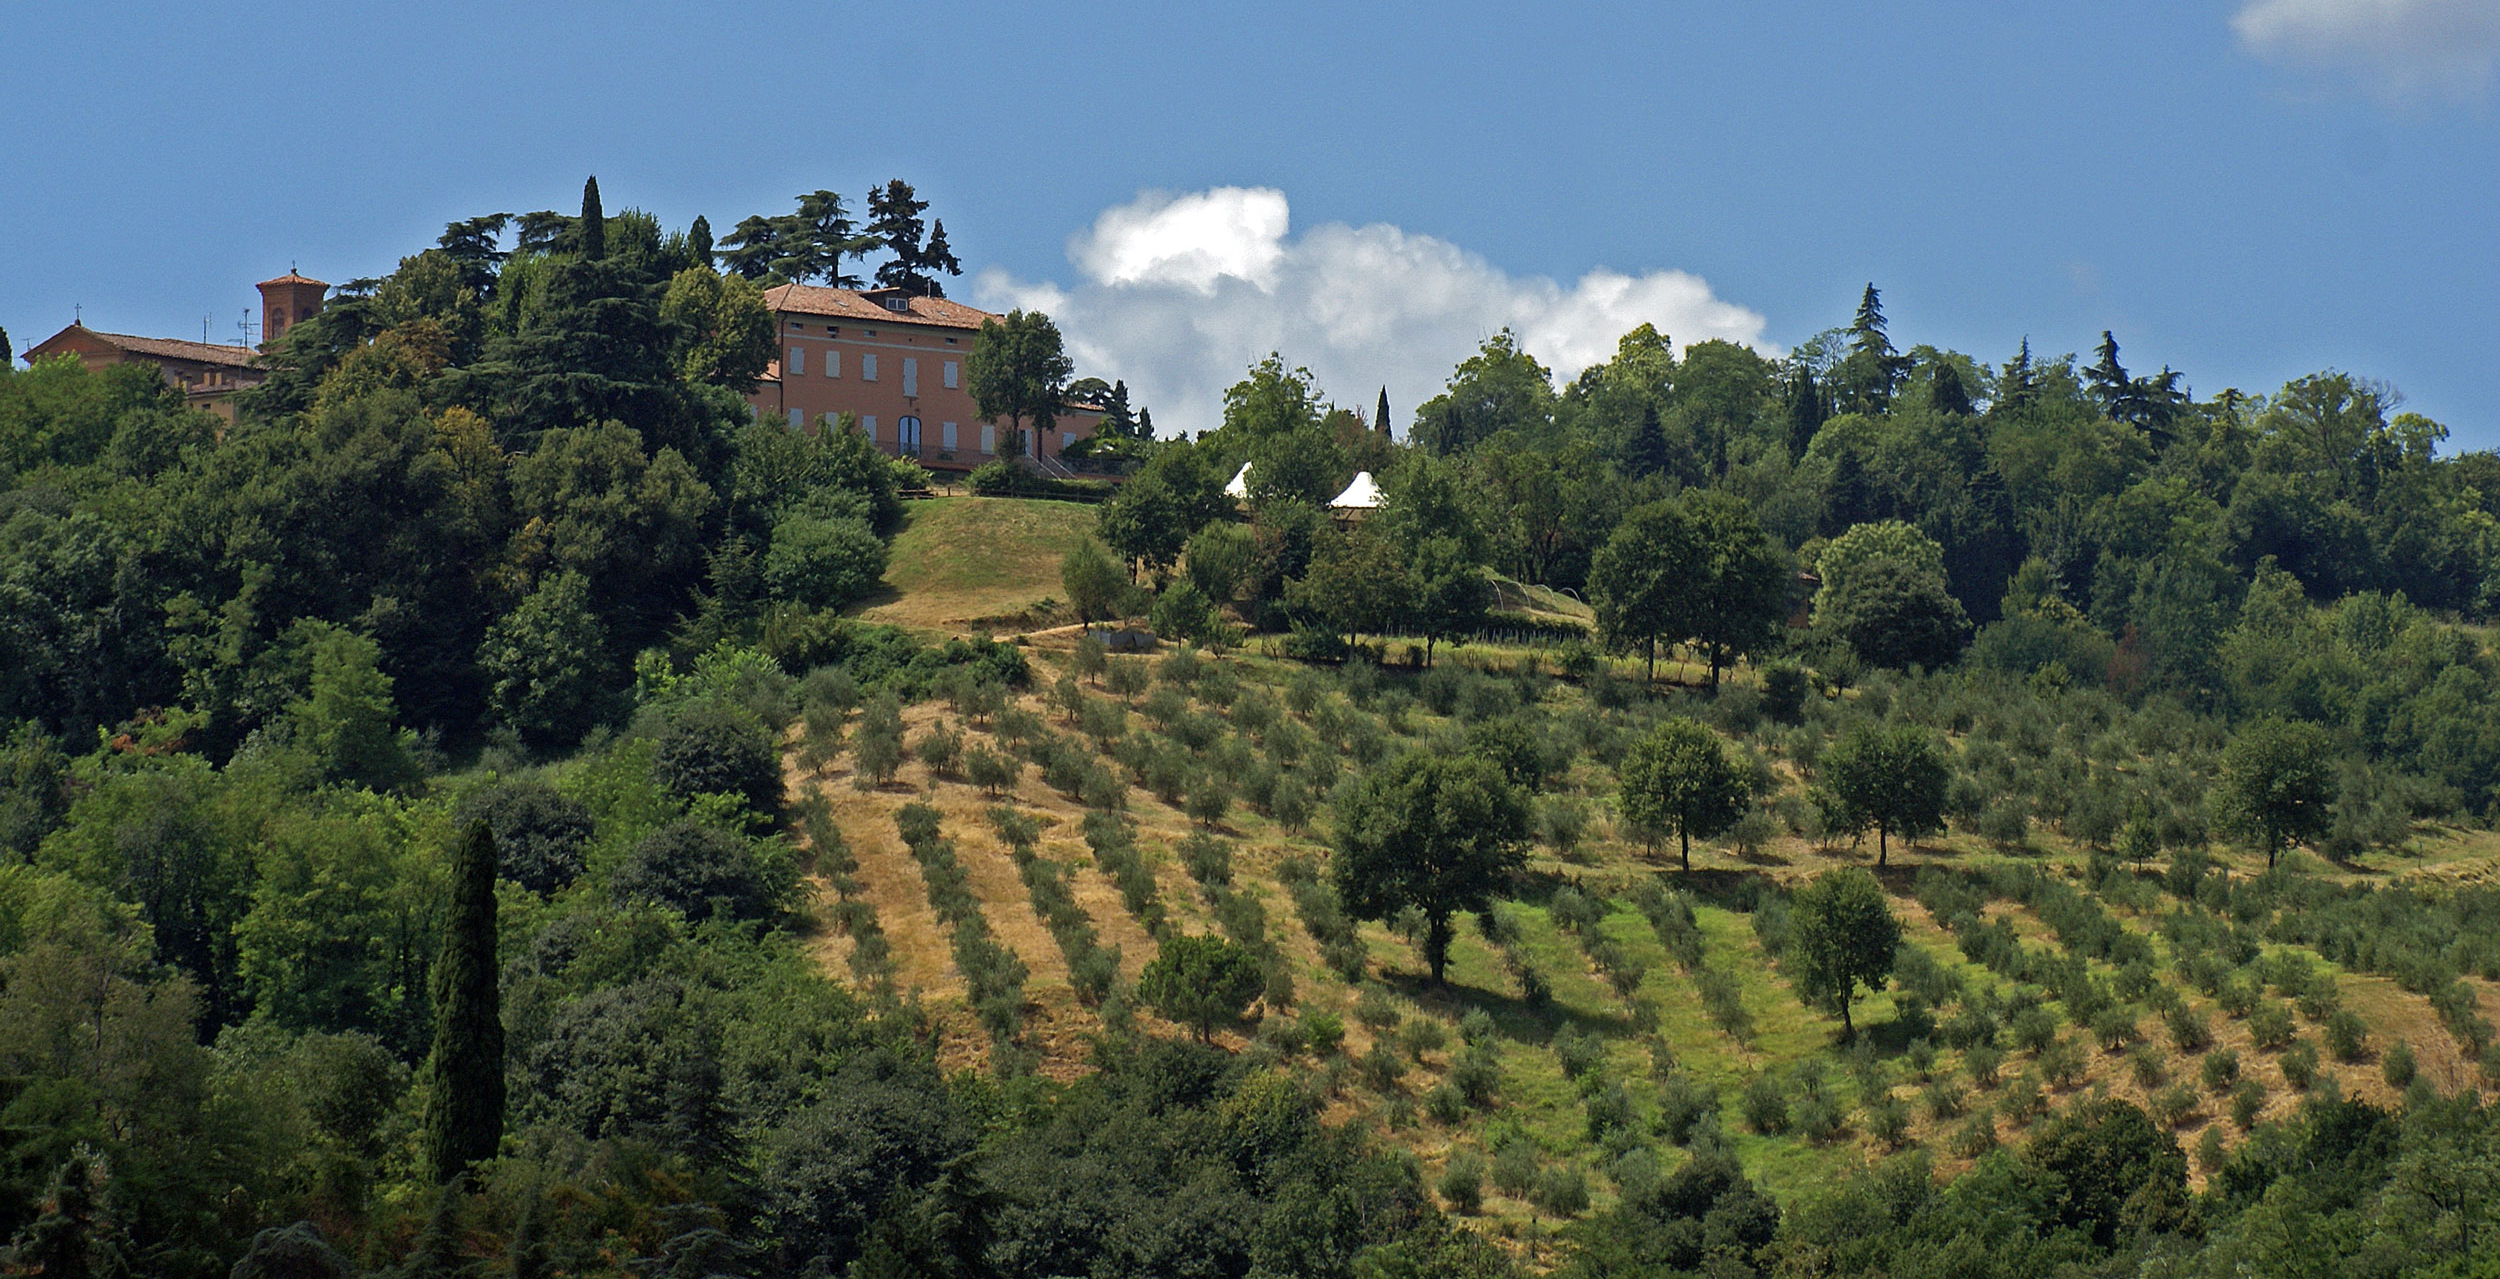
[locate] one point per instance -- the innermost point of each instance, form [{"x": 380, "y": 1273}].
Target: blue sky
[{"x": 2247, "y": 190}]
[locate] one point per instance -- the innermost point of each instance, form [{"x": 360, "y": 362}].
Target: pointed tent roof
[
  {"x": 1240, "y": 485},
  {"x": 1361, "y": 495}
]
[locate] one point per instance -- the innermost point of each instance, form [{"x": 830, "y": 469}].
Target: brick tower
[{"x": 286, "y": 302}]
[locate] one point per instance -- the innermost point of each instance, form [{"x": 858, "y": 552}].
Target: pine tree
[
  {"x": 936, "y": 256},
  {"x": 2018, "y": 386},
  {"x": 752, "y": 247},
  {"x": 1380, "y": 416},
  {"x": 2109, "y": 381},
  {"x": 1875, "y": 369},
  {"x": 594, "y": 224},
  {"x": 1145, "y": 424},
  {"x": 72, "y": 1235},
  {"x": 1118, "y": 421},
  {"x": 465, "y": 1099},
  {"x": 699, "y": 242},
  {"x": 1646, "y": 454},
  {"x": 894, "y": 220}
]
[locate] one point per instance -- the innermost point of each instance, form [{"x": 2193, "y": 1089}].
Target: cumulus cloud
[
  {"x": 1178, "y": 294},
  {"x": 2400, "y": 48}
]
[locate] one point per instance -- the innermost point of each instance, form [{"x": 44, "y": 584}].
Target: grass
[{"x": 962, "y": 560}]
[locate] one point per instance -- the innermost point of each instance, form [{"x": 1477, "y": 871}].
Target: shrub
[
  {"x": 1325, "y": 1031},
  {"x": 2299, "y": 1064},
  {"x": 2189, "y": 1030},
  {"x": 709, "y": 747},
  {"x": 2248, "y": 1100},
  {"x": 1476, "y": 1072},
  {"x": 2023, "y": 1101},
  {"x": 1766, "y": 1104},
  {"x": 1983, "y": 1060},
  {"x": 2035, "y": 1030},
  {"x": 539, "y": 833},
  {"x": 1376, "y": 1009},
  {"x": 2062, "y": 1064},
  {"x": 1383, "y": 1066},
  {"x": 2145, "y": 1063},
  {"x": 1462, "y": 1183},
  {"x": 2219, "y": 1070},
  {"x": 1562, "y": 1192},
  {"x": 1579, "y": 1053},
  {"x": 1978, "y": 1136},
  {"x": 2346, "y": 1035},
  {"x": 2322, "y": 997},
  {"x": 2211, "y": 1154},
  {"x": 1888, "y": 1121},
  {"x": 1819, "y": 1120},
  {"x": 822, "y": 563},
  {"x": 941, "y": 748},
  {"x": 700, "y": 871},
  {"x": 1684, "y": 1107},
  {"x": 2271, "y": 1027},
  {"x": 2172, "y": 1106},
  {"x": 1515, "y": 1167},
  {"x": 1421, "y": 1035},
  {"x": 2115, "y": 1028},
  {"x": 2396, "y": 1065},
  {"x": 1944, "y": 1099}
]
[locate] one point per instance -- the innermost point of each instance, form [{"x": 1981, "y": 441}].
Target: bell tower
[{"x": 286, "y": 302}]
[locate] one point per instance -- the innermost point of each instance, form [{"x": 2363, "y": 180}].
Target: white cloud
[
  {"x": 1179, "y": 294},
  {"x": 2400, "y": 48}
]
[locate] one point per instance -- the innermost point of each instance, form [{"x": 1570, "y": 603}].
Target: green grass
[{"x": 959, "y": 560}]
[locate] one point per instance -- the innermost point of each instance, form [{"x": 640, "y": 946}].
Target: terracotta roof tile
[
  {"x": 870, "y": 307},
  {"x": 177, "y": 349},
  {"x": 292, "y": 278}
]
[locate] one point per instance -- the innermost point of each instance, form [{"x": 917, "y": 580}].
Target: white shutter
[
  {"x": 798, "y": 361},
  {"x": 868, "y": 423},
  {"x": 946, "y": 432},
  {"x": 950, "y": 375},
  {"x": 868, "y": 366},
  {"x": 798, "y": 420},
  {"x": 989, "y": 437},
  {"x": 911, "y": 376},
  {"x": 833, "y": 364}
]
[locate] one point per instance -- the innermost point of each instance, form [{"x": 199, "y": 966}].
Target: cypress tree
[
  {"x": 594, "y": 224},
  {"x": 464, "y": 1104},
  {"x": 699, "y": 242},
  {"x": 1145, "y": 424},
  {"x": 1380, "y": 416},
  {"x": 1805, "y": 412},
  {"x": 7, "y": 353}
]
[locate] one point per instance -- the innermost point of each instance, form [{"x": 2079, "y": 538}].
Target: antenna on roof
[
  {"x": 78, "y": 313},
  {"x": 245, "y": 327}
]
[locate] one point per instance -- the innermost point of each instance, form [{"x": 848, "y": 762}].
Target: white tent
[
  {"x": 1361, "y": 495},
  {"x": 1240, "y": 487}
]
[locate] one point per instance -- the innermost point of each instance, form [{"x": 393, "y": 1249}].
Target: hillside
[
  {"x": 961, "y": 562},
  {"x": 1611, "y": 1020}
]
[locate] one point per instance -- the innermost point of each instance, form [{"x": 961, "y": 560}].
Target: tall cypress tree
[
  {"x": 1380, "y": 416},
  {"x": 464, "y": 1102},
  {"x": 1805, "y": 412},
  {"x": 594, "y": 224},
  {"x": 699, "y": 242}
]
